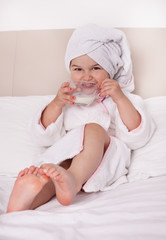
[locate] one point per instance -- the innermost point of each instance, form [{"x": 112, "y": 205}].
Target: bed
[{"x": 31, "y": 70}]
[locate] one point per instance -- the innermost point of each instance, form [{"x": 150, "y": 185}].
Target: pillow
[
  {"x": 150, "y": 160},
  {"x": 17, "y": 150}
]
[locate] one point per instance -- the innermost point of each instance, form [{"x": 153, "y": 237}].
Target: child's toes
[
  {"x": 23, "y": 172},
  {"x": 41, "y": 172},
  {"x": 58, "y": 178},
  {"x": 26, "y": 170},
  {"x": 35, "y": 172},
  {"x": 31, "y": 169},
  {"x": 54, "y": 174},
  {"x": 45, "y": 166}
]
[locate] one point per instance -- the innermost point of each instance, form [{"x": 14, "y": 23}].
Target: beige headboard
[{"x": 32, "y": 62}]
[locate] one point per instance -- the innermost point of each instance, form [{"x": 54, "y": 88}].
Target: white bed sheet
[{"x": 134, "y": 210}]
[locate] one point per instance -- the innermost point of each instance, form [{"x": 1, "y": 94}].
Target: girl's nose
[{"x": 87, "y": 76}]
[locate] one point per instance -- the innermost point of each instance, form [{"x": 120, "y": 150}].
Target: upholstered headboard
[{"x": 32, "y": 62}]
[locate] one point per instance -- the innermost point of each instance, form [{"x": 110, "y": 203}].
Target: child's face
[{"x": 85, "y": 69}]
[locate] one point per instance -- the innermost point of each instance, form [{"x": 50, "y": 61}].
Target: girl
[{"x": 88, "y": 146}]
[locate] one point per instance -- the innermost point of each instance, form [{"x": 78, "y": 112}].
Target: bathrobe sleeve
[
  {"x": 141, "y": 135},
  {"x": 46, "y": 136}
]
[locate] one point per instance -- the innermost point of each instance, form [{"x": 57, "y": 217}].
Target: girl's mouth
[
  {"x": 87, "y": 88},
  {"x": 88, "y": 85}
]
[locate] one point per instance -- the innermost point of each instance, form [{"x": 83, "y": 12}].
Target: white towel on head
[{"x": 108, "y": 47}]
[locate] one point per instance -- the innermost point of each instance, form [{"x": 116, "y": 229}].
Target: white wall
[{"x": 48, "y": 14}]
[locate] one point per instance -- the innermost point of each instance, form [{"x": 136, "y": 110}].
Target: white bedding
[{"x": 135, "y": 211}]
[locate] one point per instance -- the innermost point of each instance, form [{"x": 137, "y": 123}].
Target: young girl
[{"x": 88, "y": 146}]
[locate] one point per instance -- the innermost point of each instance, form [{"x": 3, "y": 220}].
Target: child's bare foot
[
  {"x": 29, "y": 183},
  {"x": 65, "y": 185}
]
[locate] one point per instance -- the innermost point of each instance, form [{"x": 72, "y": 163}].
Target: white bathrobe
[{"x": 64, "y": 139}]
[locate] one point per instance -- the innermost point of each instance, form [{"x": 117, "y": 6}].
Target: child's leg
[
  {"x": 96, "y": 142},
  {"x": 33, "y": 188},
  {"x": 69, "y": 182}
]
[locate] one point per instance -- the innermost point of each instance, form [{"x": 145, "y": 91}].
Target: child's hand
[
  {"x": 111, "y": 87},
  {"x": 63, "y": 97}
]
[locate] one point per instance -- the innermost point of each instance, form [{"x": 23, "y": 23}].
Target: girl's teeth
[{"x": 88, "y": 85}]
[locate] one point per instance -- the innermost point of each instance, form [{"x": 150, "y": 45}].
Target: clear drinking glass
[{"x": 85, "y": 92}]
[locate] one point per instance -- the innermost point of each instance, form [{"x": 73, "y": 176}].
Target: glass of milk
[{"x": 85, "y": 92}]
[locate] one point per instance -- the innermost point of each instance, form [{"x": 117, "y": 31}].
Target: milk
[{"x": 84, "y": 100}]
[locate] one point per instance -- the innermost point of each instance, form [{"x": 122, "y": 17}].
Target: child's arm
[
  {"x": 54, "y": 108},
  {"x": 129, "y": 115}
]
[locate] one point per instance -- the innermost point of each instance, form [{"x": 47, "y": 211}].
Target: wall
[{"x": 51, "y": 14}]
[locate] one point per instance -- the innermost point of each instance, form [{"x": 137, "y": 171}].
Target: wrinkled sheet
[{"x": 134, "y": 210}]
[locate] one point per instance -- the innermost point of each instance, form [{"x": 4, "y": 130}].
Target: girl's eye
[
  {"x": 77, "y": 69},
  {"x": 96, "y": 68}
]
